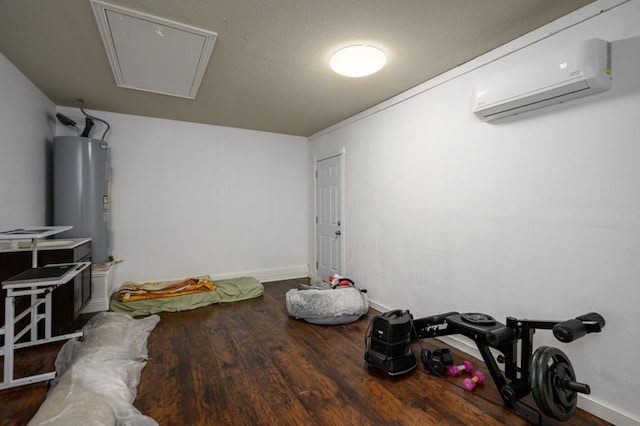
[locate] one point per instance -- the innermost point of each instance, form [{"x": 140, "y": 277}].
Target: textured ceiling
[{"x": 269, "y": 67}]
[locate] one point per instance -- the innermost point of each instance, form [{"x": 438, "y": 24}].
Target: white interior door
[{"x": 328, "y": 211}]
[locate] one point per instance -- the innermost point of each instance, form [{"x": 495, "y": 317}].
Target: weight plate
[
  {"x": 536, "y": 377},
  {"x": 549, "y": 367},
  {"x": 479, "y": 319}
]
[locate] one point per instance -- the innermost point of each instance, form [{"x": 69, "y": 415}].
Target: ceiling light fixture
[{"x": 358, "y": 61}]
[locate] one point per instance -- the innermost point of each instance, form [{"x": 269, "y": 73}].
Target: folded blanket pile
[
  {"x": 130, "y": 291},
  {"x": 227, "y": 290}
]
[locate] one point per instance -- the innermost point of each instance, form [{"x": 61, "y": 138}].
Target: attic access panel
[{"x": 153, "y": 54}]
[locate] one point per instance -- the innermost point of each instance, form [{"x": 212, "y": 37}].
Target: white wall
[
  {"x": 27, "y": 120},
  {"x": 535, "y": 217},
  {"x": 193, "y": 199}
]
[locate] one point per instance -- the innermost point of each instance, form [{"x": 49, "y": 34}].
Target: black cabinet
[{"x": 69, "y": 299}]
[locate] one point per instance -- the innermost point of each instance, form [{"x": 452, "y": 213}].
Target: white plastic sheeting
[{"x": 98, "y": 376}]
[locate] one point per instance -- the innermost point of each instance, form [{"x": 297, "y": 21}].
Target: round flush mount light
[{"x": 358, "y": 61}]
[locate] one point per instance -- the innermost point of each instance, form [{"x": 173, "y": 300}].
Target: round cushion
[{"x": 341, "y": 305}]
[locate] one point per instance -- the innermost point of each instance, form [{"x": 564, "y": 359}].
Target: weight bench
[{"x": 546, "y": 373}]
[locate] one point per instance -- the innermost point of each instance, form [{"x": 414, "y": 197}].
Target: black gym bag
[{"x": 388, "y": 343}]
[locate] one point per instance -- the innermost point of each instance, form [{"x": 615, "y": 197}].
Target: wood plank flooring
[{"x": 249, "y": 363}]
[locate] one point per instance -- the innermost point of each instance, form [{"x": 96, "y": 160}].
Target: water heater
[{"x": 81, "y": 191}]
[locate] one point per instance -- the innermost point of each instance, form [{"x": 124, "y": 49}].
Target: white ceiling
[{"x": 269, "y": 67}]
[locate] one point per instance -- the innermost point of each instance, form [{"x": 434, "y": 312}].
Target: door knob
[{"x": 338, "y": 232}]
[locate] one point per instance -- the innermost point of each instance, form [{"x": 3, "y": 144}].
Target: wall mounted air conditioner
[{"x": 578, "y": 71}]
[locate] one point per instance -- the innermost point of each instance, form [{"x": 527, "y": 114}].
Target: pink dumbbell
[
  {"x": 470, "y": 382},
  {"x": 454, "y": 370}
]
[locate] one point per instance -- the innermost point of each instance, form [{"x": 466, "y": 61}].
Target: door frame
[{"x": 343, "y": 266}]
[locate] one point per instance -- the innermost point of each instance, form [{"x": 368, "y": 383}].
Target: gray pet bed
[{"x": 325, "y": 305}]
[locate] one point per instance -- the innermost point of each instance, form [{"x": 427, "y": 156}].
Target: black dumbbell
[{"x": 437, "y": 361}]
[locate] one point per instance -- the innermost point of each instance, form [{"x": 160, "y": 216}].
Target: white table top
[{"x": 33, "y": 232}]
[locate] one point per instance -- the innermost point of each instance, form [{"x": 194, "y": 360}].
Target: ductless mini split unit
[{"x": 582, "y": 70}]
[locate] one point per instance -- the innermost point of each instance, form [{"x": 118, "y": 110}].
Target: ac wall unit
[{"x": 582, "y": 70}]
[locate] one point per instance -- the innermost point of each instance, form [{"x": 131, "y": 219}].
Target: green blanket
[{"x": 231, "y": 290}]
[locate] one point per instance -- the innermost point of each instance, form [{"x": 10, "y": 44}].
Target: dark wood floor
[{"x": 249, "y": 363}]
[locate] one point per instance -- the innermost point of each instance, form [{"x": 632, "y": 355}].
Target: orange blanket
[{"x": 130, "y": 291}]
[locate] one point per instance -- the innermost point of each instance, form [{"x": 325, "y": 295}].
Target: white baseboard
[
  {"x": 599, "y": 409},
  {"x": 267, "y": 275},
  {"x": 585, "y": 402},
  {"x": 96, "y": 305},
  {"x": 102, "y": 287},
  {"x": 378, "y": 307}
]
